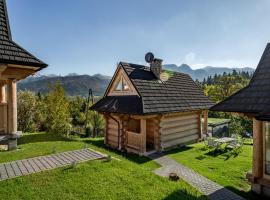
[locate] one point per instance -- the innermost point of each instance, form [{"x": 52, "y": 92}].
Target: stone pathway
[
  {"x": 209, "y": 188},
  {"x": 42, "y": 163}
]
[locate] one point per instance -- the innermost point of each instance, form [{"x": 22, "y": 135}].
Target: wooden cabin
[
  {"x": 15, "y": 64},
  {"x": 149, "y": 109},
  {"x": 254, "y": 101}
]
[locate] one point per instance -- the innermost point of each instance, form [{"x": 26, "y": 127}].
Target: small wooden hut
[
  {"x": 149, "y": 109},
  {"x": 254, "y": 101},
  {"x": 15, "y": 64}
]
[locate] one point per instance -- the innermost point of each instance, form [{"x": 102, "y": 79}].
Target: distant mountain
[
  {"x": 73, "y": 84},
  {"x": 202, "y": 73}
]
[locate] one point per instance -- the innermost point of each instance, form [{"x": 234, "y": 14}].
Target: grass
[
  {"x": 226, "y": 169},
  {"x": 129, "y": 178}
]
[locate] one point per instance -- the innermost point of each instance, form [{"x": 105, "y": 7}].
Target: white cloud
[{"x": 190, "y": 58}]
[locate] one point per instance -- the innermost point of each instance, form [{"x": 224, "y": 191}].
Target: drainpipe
[{"x": 118, "y": 124}]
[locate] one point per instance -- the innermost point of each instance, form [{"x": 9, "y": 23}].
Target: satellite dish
[{"x": 149, "y": 57}]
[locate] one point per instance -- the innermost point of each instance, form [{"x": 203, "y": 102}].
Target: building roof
[
  {"x": 179, "y": 93},
  {"x": 254, "y": 98},
  {"x": 10, "y": 52}
]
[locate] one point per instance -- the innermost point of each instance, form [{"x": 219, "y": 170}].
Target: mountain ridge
[
  {"x": 75, "y": 84},
  {"x": 204, "y": 72}
]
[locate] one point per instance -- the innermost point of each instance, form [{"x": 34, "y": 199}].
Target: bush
[{"x": 28, "y": 112}]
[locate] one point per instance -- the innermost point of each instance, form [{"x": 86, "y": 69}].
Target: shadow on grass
[
  {"x": 246, "y": 194},
  {"x": 180, "y": 149},
  {"x": 130, "y": 156},
  {"x": 227, "y": 154},
  {"x": 183, "y": 194},
  {"x": 41, "y": 137}
]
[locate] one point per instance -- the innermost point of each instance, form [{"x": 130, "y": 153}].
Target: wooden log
[
  {"x": 199, "y": 125},
  {"x": 165, "y": 138},
  {"x": 172, "y": 115},
  {"x": 178, "y": 129},
  {"x": 113, "y": 126},
  {"x": 3, "y": 94},
  {"x": 12, "y": 106},
  {"x": 112, "y": 138},
  {"x": 179, "y": 141},
  {"x": 205, "y": 122},
  {"x": 179, "y": 118},
  {"x": 174, "y": 124},
  {"x": 143, "y": 135},
  {"x": 257, "y": 168}
]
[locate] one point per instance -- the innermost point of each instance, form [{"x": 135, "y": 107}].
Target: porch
[{"x": 8, "y": 114}]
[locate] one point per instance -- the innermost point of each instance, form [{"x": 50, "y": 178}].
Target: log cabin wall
[
  {"x": 179, "y": 129},
  {"x": 111, "y": 137}
]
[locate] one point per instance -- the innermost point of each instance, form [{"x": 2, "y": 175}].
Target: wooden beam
[
  {"x": 12, "y": 106},
  {"x": 205, "y": 122},
  {"x": 143, "y": 135},
  {"x": 16, "y": 73},
  {"x": 257, "y": 168},
  {"x": 2, "y": 68},
  {"x": 199, "y": 124},
  {"x": 3, "y": 94}
]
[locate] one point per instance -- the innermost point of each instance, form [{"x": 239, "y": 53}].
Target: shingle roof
[
  {"x": 10, "y": 52},
  {"x": 255, "y": 98},
  {"x": 119, "y": 104},
  {"x": 177, "y": 94}
]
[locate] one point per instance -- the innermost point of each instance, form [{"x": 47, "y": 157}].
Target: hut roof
[{"x": 178, "y": 93}]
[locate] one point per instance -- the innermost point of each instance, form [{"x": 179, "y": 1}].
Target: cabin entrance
[{"x": 150, "y": 135}]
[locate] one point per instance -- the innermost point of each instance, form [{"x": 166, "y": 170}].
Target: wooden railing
[
  {"x": 134, "y": 140},
  {"x": 3, "y": 118}
]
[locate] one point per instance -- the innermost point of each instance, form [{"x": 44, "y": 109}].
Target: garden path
[
  {"x": 209, "y": 188},
  {"x": 37, "y": 164}
]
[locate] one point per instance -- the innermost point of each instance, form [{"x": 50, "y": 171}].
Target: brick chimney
[{"x": 156, "y": 67}]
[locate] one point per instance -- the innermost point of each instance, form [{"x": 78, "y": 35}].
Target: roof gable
[{"x": 120, "y": 76}]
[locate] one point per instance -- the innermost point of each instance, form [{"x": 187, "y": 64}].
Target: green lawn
[
  {"x": 129, "y": 178},
  {"x": 226, "y": 169}
]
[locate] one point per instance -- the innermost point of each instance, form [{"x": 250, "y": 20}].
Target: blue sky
[{"x": 91, "y": 36}]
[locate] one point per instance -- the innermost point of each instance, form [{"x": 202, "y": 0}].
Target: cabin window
[
  {"x": 134, "y": 125},
  {"x": 267, "y": 148},
  {"x": 122, "y": 85},
  {"x": 119, "y": 86}
]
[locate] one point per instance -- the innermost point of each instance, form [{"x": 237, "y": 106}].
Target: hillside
[
  {"x": 80, "y": 84},
  {"x": 202, "y": 73},
  {"x": 73, "y": 84}
]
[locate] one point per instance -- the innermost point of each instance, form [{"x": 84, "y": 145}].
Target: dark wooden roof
[
  {"x": 10, "y": 52},
  {"x": 177, "y": 94},
  {"x": 255, "y": 98},
  {"x": 119, "y": 104}
]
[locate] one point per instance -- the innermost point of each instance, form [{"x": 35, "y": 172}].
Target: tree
[
  {"x": 95, "y": 122},
  {"x": 27, "y": 111},
  {"x": 57, "y": 111}
]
